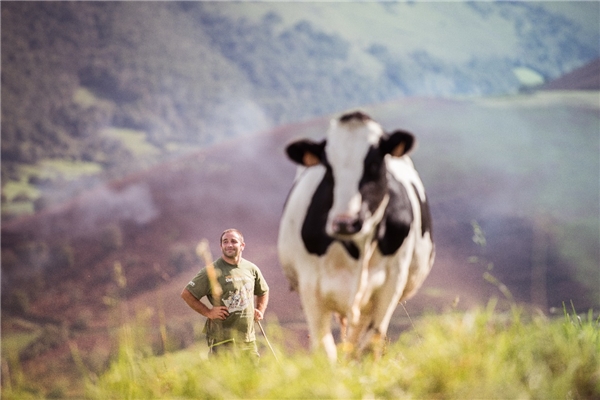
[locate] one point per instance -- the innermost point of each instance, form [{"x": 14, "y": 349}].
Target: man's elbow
[{"x": 264, "y": 299}]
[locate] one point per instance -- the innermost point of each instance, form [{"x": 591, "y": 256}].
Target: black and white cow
[{"x": 355, "y": 234}]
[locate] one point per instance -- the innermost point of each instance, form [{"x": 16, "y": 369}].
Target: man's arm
[
  {"x": 261, "y": 306},
  {"x": 219, "y": 312}
]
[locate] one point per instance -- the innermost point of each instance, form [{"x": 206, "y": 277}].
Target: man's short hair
[{"x": 231, "y": 230}]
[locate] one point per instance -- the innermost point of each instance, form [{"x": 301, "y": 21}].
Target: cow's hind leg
[
  {"x": 384, "y": 301},
  {"x": 342, "y": 321},
  {"x": 372, "y": 342}
]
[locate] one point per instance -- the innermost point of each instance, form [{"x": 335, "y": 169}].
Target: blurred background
[{"x": 132, "y": 130}]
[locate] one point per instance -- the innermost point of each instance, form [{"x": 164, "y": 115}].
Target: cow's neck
[
  {"x": 368, "y": 239},
  {"x": 367, "y": 246}
]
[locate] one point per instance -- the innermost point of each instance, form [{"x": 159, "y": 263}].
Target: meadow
[{"x": 491, "y": 352}]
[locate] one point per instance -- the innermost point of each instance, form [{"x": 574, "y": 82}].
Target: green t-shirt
[{"x": 240, "y": 283}]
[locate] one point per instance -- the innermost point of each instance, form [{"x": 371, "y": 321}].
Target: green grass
[
  {"x": 478, "y": 354},
  {"x": 483, "y": 353},
  {"x": 85, "y": 98},
  {"x": 133, "y": 140},
  {"x": 47, "y": 169},
  {"x": 50, "y": 169},
  {"x": 12, "y": 189},
  {"x": 14, "y": 343},
  {"x": 58, "y": 168},
  {"x": 68, "y": 169},
  {"x": 18, "y": 208}
]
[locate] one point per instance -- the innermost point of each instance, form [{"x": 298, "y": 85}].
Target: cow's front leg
[
  {"x": 319, "y": 322},
  {"x": 355, "y": 332},
  {"x": 384, "y": 302}
]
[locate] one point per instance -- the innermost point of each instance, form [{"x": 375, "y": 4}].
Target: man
[{"x": 230, "y": 323}]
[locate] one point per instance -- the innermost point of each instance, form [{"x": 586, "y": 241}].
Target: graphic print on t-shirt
[{"x": 238, "y": 299}]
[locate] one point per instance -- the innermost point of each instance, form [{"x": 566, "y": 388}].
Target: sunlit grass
[
  {"x": 12, "y": 189},
  {"x": 85, "y": 98},
  {"x": 478, "y": 354},
  {"x": 67, "y": 169},
  {"x": 15, "y": 342},
  {"x": 18, "y": 208},
  {"x": 483, "y": 353},
  {"x": 502, "y": 355},
  {"x": 50, "y": 169},
  {"x": 134, "y": 140},
  {"x": 21, "y": 192}
]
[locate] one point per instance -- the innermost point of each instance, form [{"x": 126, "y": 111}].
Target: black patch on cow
[
  {"x": 395, "y": 226},
  {"x": 355, "y": 115},
  {"x": 313, "y": 232},
  {"x": 426, "y": 225},
  {"x": 373, "y": 184},
  {"x": 389, "y": 142},
  {"x": 296, "y": 150},
  {"x": 352, "y": 249}
]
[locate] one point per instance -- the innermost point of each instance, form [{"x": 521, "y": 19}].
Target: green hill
[{"x": 95, "y": 90}]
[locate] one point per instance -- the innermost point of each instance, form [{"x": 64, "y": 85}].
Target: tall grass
[
  {"x": 485, "y": 353},
  {"x": 479, "y": 354}
]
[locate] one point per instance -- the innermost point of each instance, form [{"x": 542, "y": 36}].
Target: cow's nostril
[{"x": 346, "y": 225}]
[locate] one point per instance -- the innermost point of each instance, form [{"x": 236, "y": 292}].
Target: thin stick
[
  {"x": 411, "y": 322},
  {"x": 203, "y": 251},
  {"x": 267, "y": 340}
]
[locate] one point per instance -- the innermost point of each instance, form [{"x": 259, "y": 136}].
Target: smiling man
[{"x": 230, "y": 320}]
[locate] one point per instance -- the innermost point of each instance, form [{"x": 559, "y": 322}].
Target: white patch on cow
[
  {"x": 347, "y": 147},
  {"x": 307, "y": 181},
  {"x": 337, "y": 272}
]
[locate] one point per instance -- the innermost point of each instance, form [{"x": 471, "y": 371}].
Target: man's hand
[
  {"x": 218, "y": 312},
  {"x": 261, "y": 306}
]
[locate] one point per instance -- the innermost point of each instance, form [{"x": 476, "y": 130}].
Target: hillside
[
  {"x": 94, "y": 91},
  {"x": 503, "y": 177},
  {"x": 131, "y": 130},
  {"x": 469, "y": 172}
]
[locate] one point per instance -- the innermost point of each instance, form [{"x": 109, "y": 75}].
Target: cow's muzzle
[{"x": 346, "y": 225}]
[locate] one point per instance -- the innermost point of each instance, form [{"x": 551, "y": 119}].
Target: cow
[{"x": 355, "y": 236}]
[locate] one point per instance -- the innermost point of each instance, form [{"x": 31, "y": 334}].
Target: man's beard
[{"x": 231, "y": 253}]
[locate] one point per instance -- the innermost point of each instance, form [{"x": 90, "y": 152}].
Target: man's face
[{"x": 231, "y": 245}]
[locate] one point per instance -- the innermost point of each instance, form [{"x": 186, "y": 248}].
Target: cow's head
[{"x": 354, "y": 156}]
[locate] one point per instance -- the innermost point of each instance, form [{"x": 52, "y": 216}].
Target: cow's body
[{"x": 355, "y": 235}]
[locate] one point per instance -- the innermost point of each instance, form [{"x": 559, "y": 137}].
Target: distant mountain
[{"x": 97, "y": 90}]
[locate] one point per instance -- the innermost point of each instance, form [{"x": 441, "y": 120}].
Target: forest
[
  {"x": 79, "y": 77},
  {"x": 97, "y": 90}
]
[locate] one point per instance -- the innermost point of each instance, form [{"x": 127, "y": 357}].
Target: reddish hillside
[
  {"x": 583, "y": 78},
  {"x": 242, "y": 183},
  {"x": 64, "y": 258}
]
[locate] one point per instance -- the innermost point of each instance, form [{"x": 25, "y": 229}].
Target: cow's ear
[
  {"x": 306, "y": 152},
  {"x": 397, "y": 143}
]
